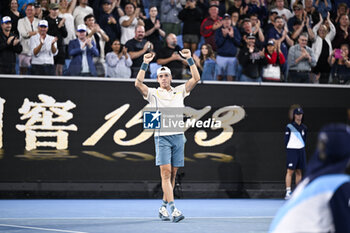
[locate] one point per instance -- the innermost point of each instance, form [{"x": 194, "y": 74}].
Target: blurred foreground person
[{"x": 321, "y": 202}]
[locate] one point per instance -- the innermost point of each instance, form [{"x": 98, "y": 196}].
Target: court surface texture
[{"x": 136, "y": 215}]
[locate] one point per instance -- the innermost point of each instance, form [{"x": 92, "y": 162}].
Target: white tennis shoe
[
  {"x": 177, "y": 215},
  {"x": 163, "y": 214},
  {"x": 288, "y": 195}
]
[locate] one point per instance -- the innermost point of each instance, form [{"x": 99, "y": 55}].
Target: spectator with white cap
[
  {"x": 27, "y": 27},
  {"x": 9, "y": 46},
  {"x": 43, "y": 48},
  {"x": 82, "y": 50}
]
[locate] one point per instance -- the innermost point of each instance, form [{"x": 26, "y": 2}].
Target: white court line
[
  {"x": 131, "y": 218},
  {"x": 39, "y": 228}
]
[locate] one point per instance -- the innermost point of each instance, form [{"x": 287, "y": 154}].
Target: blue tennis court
[{"x": 103, "y": 216}]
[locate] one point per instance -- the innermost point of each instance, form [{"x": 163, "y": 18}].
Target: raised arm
[
  {"x": 140, "y": 86},
  {"x": 192, "y": 82}
]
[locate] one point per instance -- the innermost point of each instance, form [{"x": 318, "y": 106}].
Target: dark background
[{"x": 256, "y": 147}]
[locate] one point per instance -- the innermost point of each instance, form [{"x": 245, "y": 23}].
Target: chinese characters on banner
[
  {"x": 42, "y": 119},
  {"x": 46, "y": 119}
]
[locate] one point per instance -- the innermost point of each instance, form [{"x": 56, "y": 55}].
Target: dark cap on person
[
  {"x": 213, "y": 6},
  {"x": 226, "y": 16},
  {"x": 251, "y": 36},
  {"x": 298, "y": 111},
  {"x": 54, "y": 6},
  {"x": 270, "y": 42},
  {"x": 298, "y": 6},
  {"x": 106, "y": 2},
  {"x": 37, "y": 5}
]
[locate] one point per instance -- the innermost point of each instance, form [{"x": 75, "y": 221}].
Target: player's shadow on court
[{"x": 231, "y": 177}]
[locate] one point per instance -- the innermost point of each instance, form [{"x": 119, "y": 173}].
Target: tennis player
[{"x": 169, "y": 145}]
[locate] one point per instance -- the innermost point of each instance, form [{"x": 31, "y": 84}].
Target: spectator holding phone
[{"x": 339, "y": 60}]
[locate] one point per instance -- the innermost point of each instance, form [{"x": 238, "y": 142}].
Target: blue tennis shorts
[
  {"x": 170, "y": 150},
  {"x": 296, "y": 159}
]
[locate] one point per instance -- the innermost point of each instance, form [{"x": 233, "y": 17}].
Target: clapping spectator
[
  {"x": 311, "y": 12},
  {"x": 339, "y": 60},
  {"x": 227, "y": 39},
  {"x": 9, "y": 47},
  {"x": 100, "y": 38},
  {"x": 301, "y": 59},
  {"x": 129, "y": 22},
  {"x": 82, "y": 50},
  {"x": 57, "y": 29},
  {"x": 137, "y": 47},
  {"x": 342, "y": 35},
  {"x": 118, "y": 62},
  {"x": 300, "y": 24},
  {"x": 323, "y": 7},
  {"x": 256, "y": 27},
  {"x": 322, "y": 48},
  {"x": 206, "y": 62},
  {"x": 252, "y": 60},
  {"x": 280, "y": 34},
  {"x": 191, "y": 16},
  {"x": 43, "y": 48},
  {"x": 109, "y": 22},
  {"x": 342, "y": 9},
  {"x": 139, "y": 5},
  {"x": 154, "y": 33},
  {"x": 27, "y": 27},
  {"x": 210, "y": 24},
  {"x": 168, "y": 16},
  {"x": 66, "y": 12},
  {"x": 272, "y": 72}
]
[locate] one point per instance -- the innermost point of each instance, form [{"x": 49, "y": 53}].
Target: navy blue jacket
[
  {"x": 75, "y": 51},
  {"x": 227, "y": 46}
]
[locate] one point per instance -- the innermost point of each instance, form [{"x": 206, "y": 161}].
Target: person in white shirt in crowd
[
  {"x": 129, "y": 21},
  {"x": 66, "y": 12},
  {"x": 118, "y": 62},
  {"x": 27, "y": 27},
  {"x": 322, "y": 48},
  {"x": 43, "y": 48},
  {"x": 282, "y": 11},
  {"x": 81, "y": 11}
]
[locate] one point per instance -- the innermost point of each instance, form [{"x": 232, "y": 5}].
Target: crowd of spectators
[{"x": 300, "y": 41}]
